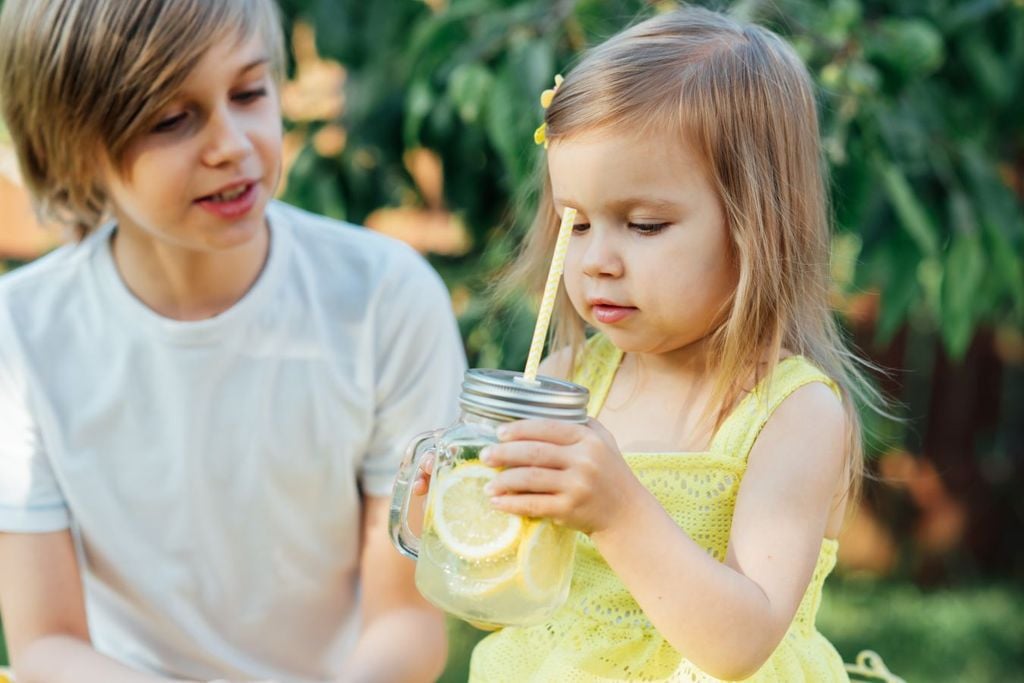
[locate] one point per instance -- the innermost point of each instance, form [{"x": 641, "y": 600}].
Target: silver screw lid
[{"x": 505, "y": 395}]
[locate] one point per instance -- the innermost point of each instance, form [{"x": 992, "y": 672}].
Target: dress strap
[
  {"x": 737, "y": 434},
  {"x": 595, "y": 369}
]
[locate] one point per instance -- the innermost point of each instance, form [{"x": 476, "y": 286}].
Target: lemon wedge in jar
[
  {"x": 464, "y": 520},
  {"x": 542, "y": 560}
]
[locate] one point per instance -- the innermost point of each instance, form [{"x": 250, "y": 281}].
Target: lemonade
[{"x": 485, "y": 565}]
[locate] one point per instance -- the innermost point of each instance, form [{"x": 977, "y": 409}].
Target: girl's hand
[
  {"x": 421, "y": 484},
  {"x": 568, "y": 472}
]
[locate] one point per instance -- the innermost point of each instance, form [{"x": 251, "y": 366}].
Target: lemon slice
[
  {"x": 464, "y": 519},
  {"x": 542, "y": 558},
  {"x": 482, "y": 580}
]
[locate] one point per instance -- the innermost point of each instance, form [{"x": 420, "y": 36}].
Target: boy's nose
[
  {"x": 601, "y": 257},
  {"x": 227, "y": 140}
]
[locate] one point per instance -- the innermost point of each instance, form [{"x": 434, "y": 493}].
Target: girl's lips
[
  {"x": 234, "y": 208},
  {"x": 609, "y": 314}
]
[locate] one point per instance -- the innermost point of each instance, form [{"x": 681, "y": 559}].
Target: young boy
[{"x": 203, "y": 401}]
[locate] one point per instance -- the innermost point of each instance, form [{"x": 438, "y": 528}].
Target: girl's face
[
  {"x": 650, "y": 262},
  {"x": 201, "y": 177}
]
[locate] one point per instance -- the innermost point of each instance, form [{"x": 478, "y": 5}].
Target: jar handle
[{"x": 404, "y": 540}]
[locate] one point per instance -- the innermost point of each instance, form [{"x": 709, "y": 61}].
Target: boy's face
[{"x": 200, "y": 179}]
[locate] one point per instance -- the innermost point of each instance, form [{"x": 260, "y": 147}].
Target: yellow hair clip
[
  {"x": 549, "y": 94},
  {"x": 540, "y": 136}
]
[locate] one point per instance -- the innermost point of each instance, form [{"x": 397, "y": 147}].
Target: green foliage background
[{"x": 920, "y": 102}]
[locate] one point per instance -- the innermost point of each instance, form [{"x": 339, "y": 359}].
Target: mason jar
[{"x": 473, "y": 561}]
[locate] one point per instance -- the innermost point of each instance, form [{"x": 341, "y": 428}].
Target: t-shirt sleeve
[
  {"x": 30, "y": 497},
  {"x": 419, "y": 368}
]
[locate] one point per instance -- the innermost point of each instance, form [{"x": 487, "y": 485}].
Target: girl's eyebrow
[
  {"x": 625, "y": 203},
  {"x": 253, "y": 64},
  {"x": 622, "y": 205}
]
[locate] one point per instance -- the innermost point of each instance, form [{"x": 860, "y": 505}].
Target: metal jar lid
[{"x": 505, "y": 395}]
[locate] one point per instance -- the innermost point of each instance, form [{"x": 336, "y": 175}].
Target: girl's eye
[
  {"x": 581, "y": 227},
  {"x": 648, "y": 228},
  {"x": 250, "y": 95},
  {"x": 170, "y": 123}
]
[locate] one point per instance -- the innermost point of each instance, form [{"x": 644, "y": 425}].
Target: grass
[
  {"x": 965, "y": 634},
  {"x": 968, "y": 634}
]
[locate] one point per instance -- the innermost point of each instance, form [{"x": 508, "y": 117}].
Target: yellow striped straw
[{"x": 547, "y": 302}]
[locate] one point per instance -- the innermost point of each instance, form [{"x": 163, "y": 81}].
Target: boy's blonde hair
[
  {"x": 740, "y": 97},
  {"x": 84, "y": 78}
]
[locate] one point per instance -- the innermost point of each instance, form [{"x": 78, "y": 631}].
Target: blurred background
[{"x": 415, "y": 118}]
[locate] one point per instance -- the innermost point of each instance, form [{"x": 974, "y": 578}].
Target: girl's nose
[
  {"x": 228, "y": 141},
  {"x": 601, "y": 255}
]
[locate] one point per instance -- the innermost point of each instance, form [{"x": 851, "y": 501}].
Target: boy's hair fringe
[{"x": 80, "y": 80}]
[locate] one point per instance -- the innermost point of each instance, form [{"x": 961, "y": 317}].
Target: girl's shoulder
[{"x": 796, "y": 381}]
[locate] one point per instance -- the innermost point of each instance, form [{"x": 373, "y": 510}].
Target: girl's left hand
[{"x": 571, "y": 473}]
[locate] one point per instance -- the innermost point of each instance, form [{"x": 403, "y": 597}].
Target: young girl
[
  {"x": 202, "y": 402},
  {"x": 712, "y": 482}
]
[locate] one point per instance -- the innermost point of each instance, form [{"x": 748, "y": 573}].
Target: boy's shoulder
[
  {"x": 36, "y": 294},
  {"x": 348, "y": 250},
  {"x": 51, "y": 276}
]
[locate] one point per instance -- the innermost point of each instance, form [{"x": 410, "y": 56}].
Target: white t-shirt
[{"x": 211, "y": 471}]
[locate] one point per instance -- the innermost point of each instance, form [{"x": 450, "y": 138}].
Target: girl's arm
[
  {"x": 725, "y": 618},
  {"x": 44, "y": 614},
  {"x": 393, "y": 612}
]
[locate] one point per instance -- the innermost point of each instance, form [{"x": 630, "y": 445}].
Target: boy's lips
[
  {"x": 231, "y": 201},
  {"x": 609, "y": 312}
]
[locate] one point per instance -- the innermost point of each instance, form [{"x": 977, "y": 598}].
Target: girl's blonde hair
[
  {"x": 84, "y": 78},
  {"x": 739, "y": 96}
]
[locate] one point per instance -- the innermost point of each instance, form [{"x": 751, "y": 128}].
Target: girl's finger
[
  {"x": 529, "y": 505},
  {"x": 519, "y": 480},
  {"x": 427, "y": 463},
  {"x": 524, "y": 454},
  {"x": 551, "y": 431},
  {"x": 421, "y": 484}
]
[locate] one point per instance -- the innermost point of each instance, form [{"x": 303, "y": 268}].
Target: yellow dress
[{"x": 601, "y": 634}]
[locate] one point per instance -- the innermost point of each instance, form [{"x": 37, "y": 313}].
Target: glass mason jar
[{"x": 473, "y": 561}]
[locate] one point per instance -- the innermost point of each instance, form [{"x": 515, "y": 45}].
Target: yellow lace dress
[{"x": 601, "y": 634}]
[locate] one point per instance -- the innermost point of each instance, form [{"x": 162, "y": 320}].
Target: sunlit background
[{"x": 416, "y": 119}]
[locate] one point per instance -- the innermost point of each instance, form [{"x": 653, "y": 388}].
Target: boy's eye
[
  {"x": 648, "y": 228},
  {"x": 170, "y": 123},
  {"x": 581, "y": 227},
  {"x": 250, "y": 95}
]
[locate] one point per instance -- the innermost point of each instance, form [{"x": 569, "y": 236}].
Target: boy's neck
[{"x": 186, "y": 284}]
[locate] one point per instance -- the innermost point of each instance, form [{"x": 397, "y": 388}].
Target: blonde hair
[
  {"x": 80, "y": 78},
  {"x": 739, "y": 96}
]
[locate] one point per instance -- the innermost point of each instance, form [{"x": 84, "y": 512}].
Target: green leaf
[
  {"x": 468, "y": 89},
  {"x": 912, "y": 214},
  {"x": 914, "y": 47},
  {"x": 989, "y": 70},
  {"x": 961, "y": 282},
  {"x": 899, "y": 292},
  {"x": 417, "y": 107},
  {"x": 1002, "y": 224},
  {"x": 929, "y": 276}
]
